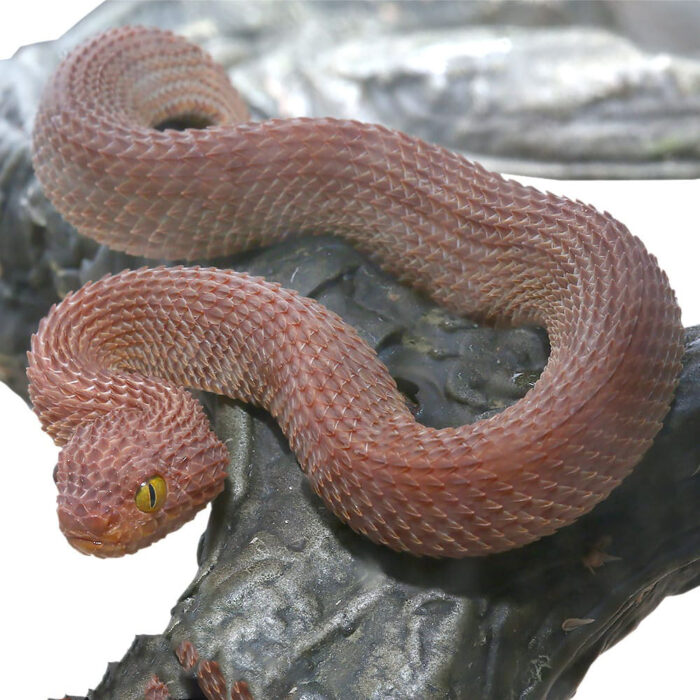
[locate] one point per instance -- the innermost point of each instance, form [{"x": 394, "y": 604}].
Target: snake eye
[{"x": 150, "y": 496}]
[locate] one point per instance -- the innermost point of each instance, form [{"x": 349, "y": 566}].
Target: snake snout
[
  {"x": 83, "y": 529},
  {"x": 96, "y": 525}
]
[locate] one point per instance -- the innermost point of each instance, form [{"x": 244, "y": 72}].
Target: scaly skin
[
  {"x": 108, "y": 363},
  {"x": 210, "y": 679}
]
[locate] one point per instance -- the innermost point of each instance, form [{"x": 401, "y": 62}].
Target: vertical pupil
[{"x": 152, "y": 495}]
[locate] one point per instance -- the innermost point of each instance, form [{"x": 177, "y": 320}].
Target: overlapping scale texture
[{"x": 475, "y": 242}]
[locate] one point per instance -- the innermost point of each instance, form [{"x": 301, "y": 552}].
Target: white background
[{"x": 65, "y": 615}]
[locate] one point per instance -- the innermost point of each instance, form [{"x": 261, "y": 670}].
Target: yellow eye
[{"x": 150, "y": 496}]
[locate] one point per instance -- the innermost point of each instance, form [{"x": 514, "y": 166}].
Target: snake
[{"x": 141, "y": 142}]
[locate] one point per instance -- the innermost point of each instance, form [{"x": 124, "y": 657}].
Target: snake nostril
[
  {"x": 55, "y": 474},
  {"x": 97, "y": 525}
]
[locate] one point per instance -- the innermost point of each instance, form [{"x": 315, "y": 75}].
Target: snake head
[{"x": 130, "y": 477}]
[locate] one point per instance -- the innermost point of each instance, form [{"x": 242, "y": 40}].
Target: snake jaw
[{"x": 83, "y": 544}]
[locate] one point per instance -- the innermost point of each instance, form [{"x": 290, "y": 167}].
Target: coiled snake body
[{"x": 108, "y": 364}]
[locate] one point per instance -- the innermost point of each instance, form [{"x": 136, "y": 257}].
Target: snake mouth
[
  {"x": 85, "y": 545},
  {"x": 90, "y": 545}
]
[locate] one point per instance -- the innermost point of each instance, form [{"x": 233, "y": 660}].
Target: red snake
[{"x": 108, "y": 365}]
